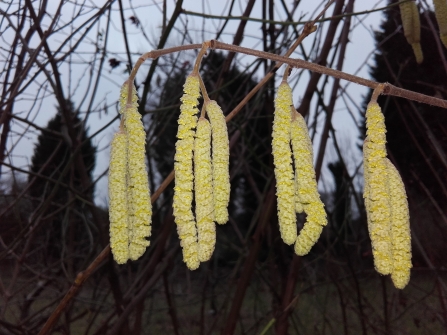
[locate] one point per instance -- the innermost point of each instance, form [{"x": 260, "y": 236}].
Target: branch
[{"x": 388, "y": 89}]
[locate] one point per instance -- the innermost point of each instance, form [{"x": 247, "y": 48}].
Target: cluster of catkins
[
  {"x": 202, "y": 174},
  {"x": 199, "y": 176},
  {"x": 412, "y": 26},
  {"x": 386, "y": 203},
  {"x": 130, "y": 209},
  {"x": 296, "y": 190}
]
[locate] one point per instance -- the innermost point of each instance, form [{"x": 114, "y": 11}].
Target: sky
[{"x": 79, "y": 77}]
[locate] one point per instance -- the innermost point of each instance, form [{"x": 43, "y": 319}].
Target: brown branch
[
  {"x": 80, "y": 279},
  {"x": 388, "y": 89},
  {"x": 249, "y": 264},
  {"x": 84, "y": 275}
]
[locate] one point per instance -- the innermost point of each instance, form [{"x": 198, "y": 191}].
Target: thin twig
[{"x": 388, "y": 89}]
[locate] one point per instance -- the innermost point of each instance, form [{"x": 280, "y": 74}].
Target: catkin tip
[
  {"x": 400, "y": 228},
  {"x": 418, "y": 52}
]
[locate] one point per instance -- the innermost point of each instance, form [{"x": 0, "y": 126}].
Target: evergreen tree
[{"x": 66, "y": 225}]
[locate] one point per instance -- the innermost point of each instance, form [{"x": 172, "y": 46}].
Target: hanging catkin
[
  {"x": 183, "y": 167},
  {"x": 306, "y": 185},
  {"x": 130, "y": 206},
  {"x": 221, "y": 161},
  {"x": 203, "y": 187},
  {"x": 282, "y": 159},
  {"x": 400, "y": 228},
  {"x": 412, "y": 27},
  {"x": 376, "y": 192},
  {"x": 139, "y": 201},
  {"x": 118, "y": 214}
]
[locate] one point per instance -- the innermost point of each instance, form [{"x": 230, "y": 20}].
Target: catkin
[
  {"x": 123, "y": 97},
  {"x": 377, "y": 195},
  {"x": 203, "y": 187},
  {"x": 412, "y": 27},
  {"x": 139, "y": 201},
  {"x": 119, "y": 238},
  {"x": 366, "y": 183},
  {"x": 307, "y": 189},
  {"x": 183, "y": 167},
  {"x": 221, "y": 161},
  {"x": 400, "y": 228},
  {"x": 282, "y": 159},
  {"x": 441, "y": 17}
]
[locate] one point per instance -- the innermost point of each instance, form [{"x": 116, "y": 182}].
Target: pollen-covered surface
[
  {"x": 203, "y": 187},
  {"x": 400, "y": 228},
  {"x": 123, "y": 97},
  {"x": 183, "y": 167},
  {"x": 282, "y": 159},
  {"x": 306, "y": 184},
  {"x": 308, "y": 236},
  {"x": 441, "y": 17},
  {"x": 118, "y": 214},
  {"x": 140, "y": 208},
  {"x": 366, "y": 183},
  {"x": 377, "y": 196},
  {"x": 298, "y": 203},
  {"x": 221, "y": 161}
]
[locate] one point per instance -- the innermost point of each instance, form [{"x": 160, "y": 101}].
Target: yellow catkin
[
  {"x": 400, "y": 228},
  {"x": 282, "y": 159},
  {"x": 139, "y": 201},
  {"x": 221, "y": 161},
  {"x": 366, "y": 183},
  {"x": 119, "y": 239},
  {"x": 123, "y": 97},
  {"x": 378, "y": 204},
  {"x": 183, "y": 195},
  {"x": 203, "y": 187},
  {"x": 298, "y": 203},
  {"x": 306, "y": 185},
  {"x": 441, "y": 17},
  {"x": 306, "y": 145},
  {"x": 412, "y": 27}
]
